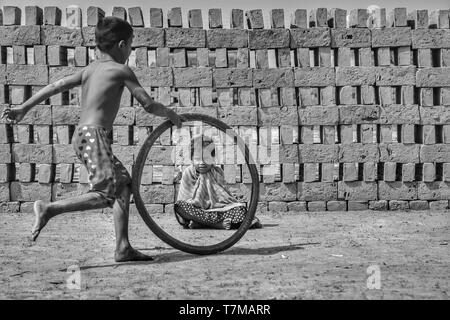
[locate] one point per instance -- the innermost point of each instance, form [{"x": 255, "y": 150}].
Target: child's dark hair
[{"x": 111, "y": 30}]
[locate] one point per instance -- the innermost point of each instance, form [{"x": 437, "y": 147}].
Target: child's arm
[
  {"x": 17, "y": 114},
  {"x": 150, "y": 105}
]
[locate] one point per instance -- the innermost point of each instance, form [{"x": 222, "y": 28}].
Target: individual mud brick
[
  {"x": 344, "y": 56},
  {"x": 215, "y": 18},
  {"x": 307, "y": 38},
  {"x": 299, "y": 19},
  {"x": 242, "y": 58},
  {"x": 378, "y": 205},
  {"x": 19, "y": 55},
  {"x": 30, "y": 191},
  {"x": 262, "y": 59},
  {"x": 370, "y": 171},
  {"x": 430, "y": 38},
  {"x": 355, "y": 76},
  {"x": 419, "y": 19},
  {"x": 119, "y": 12},
  {"x": 65, "y": 172},
  {"x": 337, "y": 18},
  {"x": 73, "y": 17},
  {"x": 311, "y": 172},
  {"x": 404, "y": 56},
  {"x": 336, "y": 206},
  {"x": 46, "y": 173},
  {"x": 156, "y": 18},
  {"x": 439, "y": 19},
  {"x": 162, "y": 57},
  {"x": 397, "y": 18},
  {"x": 389, "y": 171},
  {"x": 398, "y": 205},
  {"x": 314, "y": 77},
  {"x": 135, "y": 17},
  {"x": 377, "y": 18},
  {"x": 445, "y": 57},
  {"x": 6, "y": 172},
  {"x": 387, "y": 95},
  {"x": 408, "y": 172},
  {"x": 445, "y": 96},
  {"x": 367, "y": 95},
  {"x": 358, "y": 18},
  {"x": 174, "y": 17},
  {"x": 350, "y": 172},
  {"x": 426, "y": 97},
  {"x": 255, "y": 19},
  {"x": 185, "y": 38},
  {"x": 366, "y": 57},
  {"x": 317, "y": 206},
  {"x": 352, "y": 38},
  {"x": 52, "y": 16},
  {"x": 11, "y": 15},
  {"x": 318, "y": 17},
  {"x": 268, "y": 78},
  {"x": 221, "y": 58},
  {"x": 33, "y": 15},
  {"x": 40, "y": 55},
  {"x": 407, "y": 95},
  {"x": 26, "y": 172},
  {"x": 288, "y": 172},
  {"x": 356, "y": 152},
  {"x": 397, "y": 190},
  {"x": 391, "y": 37},
  {"x": 268, "y": 38},
  {"x": 329, "y": 134},
  {"x": 433, "y": 77},
  {"x": 386, "y": 133},
  {"x": 303, "y": 59},
  {"x": 296, "y": 206},
  {"x": 383, "y": 56},
  {"x": 419, "y": 205},
  {"x": 347, "y": 95},
  {"x": 439, "y": 205},
  {"x": 327, "y": 96},
  {"x": 429, "y": 172},
  {"x": 80, "y": 58},
  {"x": 94, "y": 15},
  {"x": 324, "y": 56},
  {"x": 424, "y": 58},
  {"x": 195, "y": 18},
  {"x": 358, "y": 205},
  {"x": 18, "y": 94},
  {"x": 429, "y": 134},
  {"x": 227, "y": 38},
  {"x": 168, "y": 175},
  {"x": 41, "y": 134},
  {"x": 357, "y": 190},
  {"x": 237, "y": 19},
  {"x": 307, "y": 134},
  {"x": 23, "y": 133},
  {"x": 284, "y": 57},
  {"x": 277, "y": 18},
  {"x": 20, "y": 36},
  {"x": 278, "y": 206},
  {"x": 328, "y": 172}
]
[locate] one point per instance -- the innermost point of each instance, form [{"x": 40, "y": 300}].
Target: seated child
[{"x": 203, "y": 200}]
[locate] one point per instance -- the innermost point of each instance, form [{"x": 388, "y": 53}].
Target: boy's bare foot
[
  {"x": 256, "y": 224},
  {"x": 130, "y": 254},
  {"x": 41, "y": 218}
]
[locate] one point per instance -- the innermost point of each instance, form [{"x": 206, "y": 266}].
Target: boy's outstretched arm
[
  {"x": 150, "y": 105},
  {"x": 17, "y": 114}
]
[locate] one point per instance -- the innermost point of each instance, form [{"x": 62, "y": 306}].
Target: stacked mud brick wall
[{"x": 356, "y": 103}]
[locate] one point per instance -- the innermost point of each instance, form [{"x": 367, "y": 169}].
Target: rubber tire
[{"x": 154, "y": 227}]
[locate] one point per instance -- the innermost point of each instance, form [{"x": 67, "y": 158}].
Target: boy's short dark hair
[{"x": 111, "y": 30}]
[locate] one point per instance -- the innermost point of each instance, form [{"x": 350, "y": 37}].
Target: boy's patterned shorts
[{"x": 107, "y": 175}]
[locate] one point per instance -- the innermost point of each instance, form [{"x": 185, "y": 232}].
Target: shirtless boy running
[{"x": 102, "y": 82}]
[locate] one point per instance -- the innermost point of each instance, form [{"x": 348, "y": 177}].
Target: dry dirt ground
[{"x": 297, "y": 256}]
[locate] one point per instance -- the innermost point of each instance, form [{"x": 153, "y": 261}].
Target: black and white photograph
[{"x": 224, "y": 155}]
